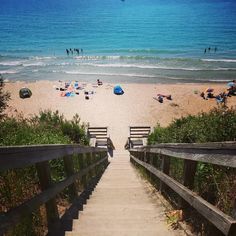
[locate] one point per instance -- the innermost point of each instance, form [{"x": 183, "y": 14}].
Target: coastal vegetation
[
  {"x": 18, "y": 185},
  {"x": 218, "y": 125},
  {"x": 214, "y": 183},
  {"x": 46, "y": 128},
  {"x": 4, "y": 97}
]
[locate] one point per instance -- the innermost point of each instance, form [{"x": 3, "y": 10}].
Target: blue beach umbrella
[{"x": 118, "y": 90}]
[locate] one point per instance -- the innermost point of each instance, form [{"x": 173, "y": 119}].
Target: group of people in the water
[
  {"x": 75, "y": 50},
  {"x": 209, "y": 49}
]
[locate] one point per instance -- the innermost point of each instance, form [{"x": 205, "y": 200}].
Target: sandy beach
[{"x": 136, "y": 106}]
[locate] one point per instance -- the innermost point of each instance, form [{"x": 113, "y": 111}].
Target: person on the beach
[
  {"x": 221, "y": 99},
  {"x": 231, "y": 91},
  {"x": 67, "y": 51},
  {"x": 99, "y": 82},
  {"x": 210, "y": 95},
  {"x": 160, "y": 98},
  {"x": 209, "y": 49},
  {"x": 205, "y": 51},
  {"x": 202, "y": 94}
]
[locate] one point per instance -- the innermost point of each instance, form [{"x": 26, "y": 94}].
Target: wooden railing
[
  {"x": 40, "y": 157},
  {"x": 222, "y": 154}
]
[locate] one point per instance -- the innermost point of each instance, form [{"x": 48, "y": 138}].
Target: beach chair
[
  {"x": 99, "y": 138},
  {"x": 137, "y": 136}
]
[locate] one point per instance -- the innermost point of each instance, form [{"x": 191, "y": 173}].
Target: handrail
[
  {"x": 223, "y": 154},
  {"x": 13, "y": 216},
  {"x": 23, "y": 156},
  {"x": 40, "y": 155}
]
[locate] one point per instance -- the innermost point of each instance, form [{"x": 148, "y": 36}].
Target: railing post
[
  {"x": 81, "y": 166},
  {"x": 190, "y": 168},
  {"x": 165, "y": 167},
  {"x": 89, "y": 161},
  {"x": 145, "y": 156},
  {"x": 70, "y": 170},
  {"x": 44, "y": 174},
  {"x": 148, "y": 157},
  {"x": 93, "y": 158},
  {"x": 84, "y": 165}
]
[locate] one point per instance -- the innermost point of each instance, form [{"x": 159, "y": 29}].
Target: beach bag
[{"x": 25, "y": 93}]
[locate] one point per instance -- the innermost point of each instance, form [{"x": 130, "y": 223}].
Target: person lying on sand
[
  {"x": 165, "y": 96},
  {"x": 202, "y": 94},
  {"x": 159, "y": 99},
  {"x": 207, "y": 95}
]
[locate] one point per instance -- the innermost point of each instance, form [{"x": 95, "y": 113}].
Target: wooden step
[{"x": 121, "y": 205}]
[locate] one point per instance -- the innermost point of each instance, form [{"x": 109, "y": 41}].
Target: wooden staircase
[{"x": 121, "y": 205}]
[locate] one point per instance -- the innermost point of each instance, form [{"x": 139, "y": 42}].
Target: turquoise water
[{"x": 123, "y": 41}]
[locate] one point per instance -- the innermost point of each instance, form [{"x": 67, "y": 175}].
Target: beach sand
[{"x": 136, "y": 106}]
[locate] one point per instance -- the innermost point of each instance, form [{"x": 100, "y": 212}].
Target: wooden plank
[
  {"x": 101, "y": 143},
  {"x": 98, "y": 127},
  {"x": 140, "y": 127},
  {"x": 100, "y": 130},
  {"x": 209, "y": 145},
  {"x": 22, "y": 156},
  {"x": 97, "y": 132},
  {"x": 138, "y": 135},
  {"x": 223, "y": 222},
  {"x": 224, "y": 157},
  {"x": 12, "y": 217},
  {"x": 139, "y": 130},
  {"x": 137, "y": 142},
  {"x": 208, "y": 156}
]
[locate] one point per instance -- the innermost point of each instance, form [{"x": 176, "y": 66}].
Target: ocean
[{"x": 148, "y": 41}]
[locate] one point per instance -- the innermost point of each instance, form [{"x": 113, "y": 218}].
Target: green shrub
[
  {"x": 214, "y": 183},
  {"x": 19, "y": 185},
  {"x": 4, "y": 97},
  {"x": 47, "y": 128},
  {"x": 69, "y": 128},
  {"x": 216, "y": 126},
  {"x": 21, "y": 132}
]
